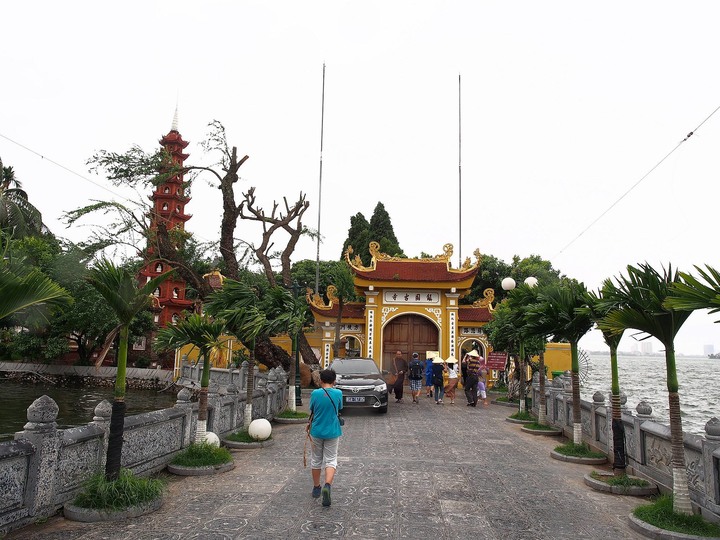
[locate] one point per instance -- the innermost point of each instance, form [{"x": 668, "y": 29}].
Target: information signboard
[{"x": 496, "y": 360}]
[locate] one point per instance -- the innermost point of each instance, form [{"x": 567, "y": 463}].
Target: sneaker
[
  {"x": 326, "y": 495},
  {"x": 316, "y": 492}
]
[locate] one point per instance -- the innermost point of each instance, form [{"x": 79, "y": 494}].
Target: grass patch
[
  {"x": 243, "y": 436},
  {"x": 128, "y": 490},
  {"x": 202, "y": 455},
  {"x": 524, "y": 415},
  {"x": 622, "y": 480},
  {"x": 661, "y": 515},
  {"x": 539, "y": 427},
  {"x": 578, "y": 450},
  {"x": 287, "y": 413}
]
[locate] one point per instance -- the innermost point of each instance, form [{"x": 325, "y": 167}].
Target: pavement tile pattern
[{"x": 420, "y": 471}]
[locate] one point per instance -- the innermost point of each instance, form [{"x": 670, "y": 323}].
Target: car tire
[{"x": 382, "y": 410}]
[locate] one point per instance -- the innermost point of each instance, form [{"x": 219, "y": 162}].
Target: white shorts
[{"x": 324, "y": 452}]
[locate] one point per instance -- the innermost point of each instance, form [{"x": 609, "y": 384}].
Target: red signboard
[{"x": 496, "y": 360}]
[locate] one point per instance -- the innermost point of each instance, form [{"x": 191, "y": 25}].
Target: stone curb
[
  {"x": 93, "y": 515},
  {"x": 659, "y": 534},
  {"x": 291, "y": 420},
  {"x": 237, "y": 445},
  {"x": 546, "y": 432},
  {"x": 182, "y": 470},
  {"x": 516, "y": 421},
  {"x": 635, "y": 491},
  {"x": 505, "y": 404},
  {"x": 578, "y": 459}
]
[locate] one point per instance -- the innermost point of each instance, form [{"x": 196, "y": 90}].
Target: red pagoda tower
[{"x": 169, "y": 203}]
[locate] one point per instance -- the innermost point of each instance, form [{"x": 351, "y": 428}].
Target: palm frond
[{"x": 18, "y": 293}]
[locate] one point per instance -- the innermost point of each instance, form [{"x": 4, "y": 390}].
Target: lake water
[
  {"x": 643, "y": 378},
  {"x": 77, "y": 405}
]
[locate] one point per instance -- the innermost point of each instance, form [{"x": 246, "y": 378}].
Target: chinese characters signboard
[{"x": 411, "y": 297}]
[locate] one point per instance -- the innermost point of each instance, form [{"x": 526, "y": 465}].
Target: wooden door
[{"x": 408, "y": 334}]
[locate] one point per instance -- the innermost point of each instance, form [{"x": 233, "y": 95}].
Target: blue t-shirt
[{"x": 325, "y": 424}]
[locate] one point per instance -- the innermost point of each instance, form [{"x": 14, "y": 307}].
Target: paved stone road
[{"x": 422, "y": 471}]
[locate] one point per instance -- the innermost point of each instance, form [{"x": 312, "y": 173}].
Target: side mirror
[{"x": 385, "y": 372}]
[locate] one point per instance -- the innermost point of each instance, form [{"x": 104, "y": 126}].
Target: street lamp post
[{"x": 508, "y": 284}]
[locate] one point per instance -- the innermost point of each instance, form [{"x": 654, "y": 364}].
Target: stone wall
[
  {"x": 44, "y": 467},
  {"x": 647, "y": 442}
]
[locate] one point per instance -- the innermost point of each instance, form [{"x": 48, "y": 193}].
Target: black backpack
[{"x": 416, "y": 369}]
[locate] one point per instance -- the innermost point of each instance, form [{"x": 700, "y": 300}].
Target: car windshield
[{"x": 355, "y": 366}]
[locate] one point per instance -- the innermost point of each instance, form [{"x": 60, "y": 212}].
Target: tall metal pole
[
  {"x": 459, "y": 175},
  {"x": 322, "y": 126}
]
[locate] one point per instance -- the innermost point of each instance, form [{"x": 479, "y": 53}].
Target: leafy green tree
[
  {"x": 18, "y": 217},
  {"x": 24, "y": 289},
  {"x": 642, "y": 296},
  {"x": 207, "y": 335},
  {"x": 119, "y": 289},
  {"x": 558, "y": 313}
]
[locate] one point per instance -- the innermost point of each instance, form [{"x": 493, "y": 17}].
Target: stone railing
[
  {"x": 44, "y": 467},
  {"x": 647, "y": 443},
  {"x": 101, "y": 372}
]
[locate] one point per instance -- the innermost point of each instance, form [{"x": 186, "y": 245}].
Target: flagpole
[
  {"x": 322, "y": 125},
  {"x": 459, "y": 175}
]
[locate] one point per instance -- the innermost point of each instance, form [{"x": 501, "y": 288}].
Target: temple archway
[{"x": 408, "y": 333}]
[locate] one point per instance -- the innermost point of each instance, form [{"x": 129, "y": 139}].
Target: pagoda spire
[{"x": 174, "y": 126}]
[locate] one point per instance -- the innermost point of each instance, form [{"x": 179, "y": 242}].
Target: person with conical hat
[
  {"x": 452, "y": 383},
  {"x": 471, "y": 381},
  {"x": 438, "y": 368}
]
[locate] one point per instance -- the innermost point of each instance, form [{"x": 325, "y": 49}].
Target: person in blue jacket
[
  {"x": 429, "y": 376},
  {"x": 325, "y": 433}
]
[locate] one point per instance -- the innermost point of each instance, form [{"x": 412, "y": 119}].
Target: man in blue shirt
[{"x": 325, "y": 433}]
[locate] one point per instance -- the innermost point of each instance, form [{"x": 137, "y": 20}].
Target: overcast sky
[{"x": 565, "y": 107}]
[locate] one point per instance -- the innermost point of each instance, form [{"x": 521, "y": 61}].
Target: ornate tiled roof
[
  {"x": 474, "y": 314},
  {"x": 436, "y": 269}
]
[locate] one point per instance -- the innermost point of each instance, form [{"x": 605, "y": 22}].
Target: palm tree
[
  {"x": 205, "y": 334},
  {"x": 642, "y": 297},
  {"x": 238, "y": 305},
  {"x": 18, "y": 216},
  {"x": 285, "y": 313},
  {"x": 120, "y": 290},
  {"x": 598, "y": 306},
  {"x": 558, "y": 314},
  {"x": 22, "y": 289}
]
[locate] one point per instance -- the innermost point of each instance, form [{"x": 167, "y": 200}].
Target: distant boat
[{"x": 714, "y": 356}]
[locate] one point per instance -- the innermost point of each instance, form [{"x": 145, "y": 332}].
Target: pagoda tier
[{"x": 169, "y": 202}]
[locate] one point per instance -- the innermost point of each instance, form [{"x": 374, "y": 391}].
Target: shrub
[
  {"x": 524, "y": 415},
  {"x": 622, "y": 480},
  {"x": 661, "y": 515},
  {"x": 202, "y": 455},
  {"x": 243, "y": 436},
  {"x": 128, "y": 490},
  {"x": 578, "y": 450}
]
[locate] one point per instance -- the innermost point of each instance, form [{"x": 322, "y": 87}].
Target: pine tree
[{"x": 381, "y": 231}]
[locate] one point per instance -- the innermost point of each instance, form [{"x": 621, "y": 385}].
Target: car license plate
[{"x": 355, "y": 399}]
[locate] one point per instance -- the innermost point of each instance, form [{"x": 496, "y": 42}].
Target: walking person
[
  {"x": 438, "y": 368},
  {"x": 416, "y": 370},
  {"x": 453, "y": 380},
  {"x": 471, "y": 380},
  {"x": 482, "y": 382},
  {"x": 400, "y": 366},
  {"x": 428, "y": 376},
  {"x": 325, "y": 433}
]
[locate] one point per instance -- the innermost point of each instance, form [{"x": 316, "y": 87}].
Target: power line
[{"x": 636, "y": 183}]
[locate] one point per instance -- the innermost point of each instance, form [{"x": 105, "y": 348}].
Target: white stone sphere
[
  {"x": 260, "y": 429},
  {"x": 508, "y": 284},
  {"x": 531, "y": 281},
  {"x": 211, "y": 438}
]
